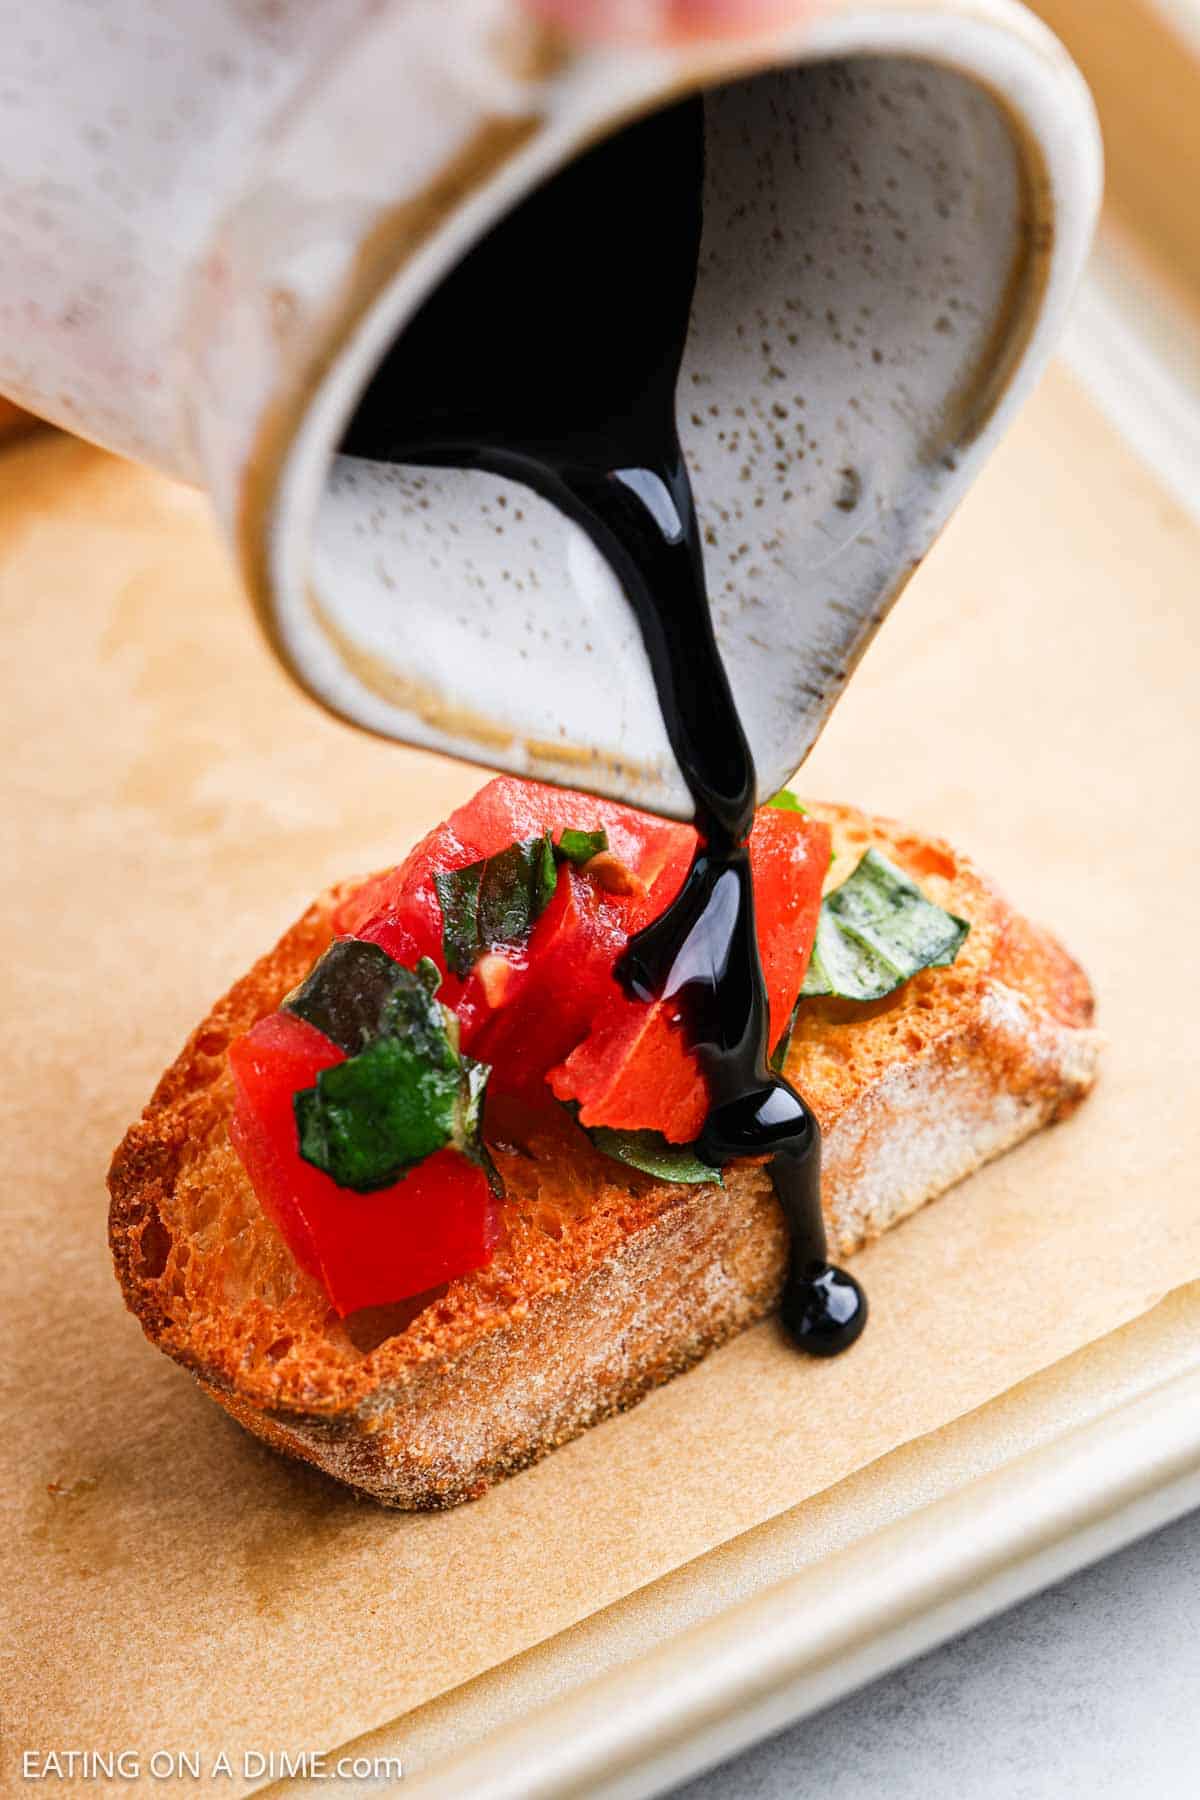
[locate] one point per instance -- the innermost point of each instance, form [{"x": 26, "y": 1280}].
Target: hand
[{"x": 665, "y": 21}]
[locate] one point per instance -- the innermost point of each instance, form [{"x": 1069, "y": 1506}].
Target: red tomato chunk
[
  {"x": 365, "y": 1249},
  {"x": 634, "y": 1069},
  {"x": 549, "y": 1017}
]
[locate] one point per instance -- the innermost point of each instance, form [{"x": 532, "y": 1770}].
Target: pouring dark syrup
[{"x": 565, "y": 381}]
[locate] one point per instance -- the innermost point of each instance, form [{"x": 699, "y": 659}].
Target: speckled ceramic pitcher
[{"x": 216, "y": 218}]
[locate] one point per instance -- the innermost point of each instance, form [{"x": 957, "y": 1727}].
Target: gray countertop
[{"x": 1091, "y": 1688}]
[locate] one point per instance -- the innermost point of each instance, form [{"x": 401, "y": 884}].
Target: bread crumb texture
[{"x": 605, "y": 1282}]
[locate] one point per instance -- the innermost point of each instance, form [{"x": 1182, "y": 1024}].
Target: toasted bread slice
[{"x": 606, "y": 1282}]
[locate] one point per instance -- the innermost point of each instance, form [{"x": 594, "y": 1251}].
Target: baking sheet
[
  {"x": 1065, "y": 1467},
  {"x": 176, "y": 803}
]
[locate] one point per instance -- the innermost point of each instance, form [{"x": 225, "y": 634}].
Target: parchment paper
[
  {"x": 1096, "y": 1383},
  {"x": 172, "y": 803}
]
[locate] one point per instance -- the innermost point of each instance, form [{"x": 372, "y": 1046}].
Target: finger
[{"x": 660, "y": 21}]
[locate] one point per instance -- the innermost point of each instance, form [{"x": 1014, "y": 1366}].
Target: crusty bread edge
[{"x": 707, "y": 1266}]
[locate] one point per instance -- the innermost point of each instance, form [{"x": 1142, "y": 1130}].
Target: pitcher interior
[{"x": 866, "y": 278}]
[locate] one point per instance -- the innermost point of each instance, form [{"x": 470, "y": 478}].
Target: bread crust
[{"x": 605, "y": 1283}]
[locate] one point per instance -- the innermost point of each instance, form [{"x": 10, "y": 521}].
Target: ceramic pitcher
[{"x": 217, "y": 218}]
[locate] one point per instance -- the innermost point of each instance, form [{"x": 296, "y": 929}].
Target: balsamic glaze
[{"x": 551, "y": 355}]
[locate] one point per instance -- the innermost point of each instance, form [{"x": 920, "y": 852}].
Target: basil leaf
[
  {"x": 497, "y": 901},
  {"x": 651, "y": 1152},
  {"x": 345, "y": 993},
  {"x": 413, "y": 1011},
  {"x": 875, "y": 931},
  {"x": 470, "y": 1122},
  {"x": 458, "y": 895},
  {"x": 371, "y": 1119},
  {"x": 514, "y": 888},
  {"x": 779, "y": 1055},
  {"x": 428, "y": 974},
  {"x": 402, "y": 1096},
  {"x": 579, "y": 847}
]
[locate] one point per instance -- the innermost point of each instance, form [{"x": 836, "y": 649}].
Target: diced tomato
[
  {"x": 634, "y": 1069},
  {"x": 502, "y": 813},
  {"x": 400, "y": 910},
  {"x": 664, "y": 869},
  {"x": 277, "y": 1058},
  {"x": 507, "y": 810},
  {"x": 789, "y": 859},
  {"x": 550, "y": 1001},
  {"x": 549, "y": 1016},
  {"x": 439, "y": 1221}
]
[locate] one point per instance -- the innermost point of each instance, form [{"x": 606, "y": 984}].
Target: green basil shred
[
  {"x": 346, "y": 991},
  {"x": 651, "y": 1152},
  {"x": 875, "y": 932},
  {"x": 579, "y": 847},
  {"x": 405, "y": 1092},
  {"x": 496, "y": 902}
]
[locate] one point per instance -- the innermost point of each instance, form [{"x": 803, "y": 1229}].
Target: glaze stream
[{"x": 566, "y": 382}]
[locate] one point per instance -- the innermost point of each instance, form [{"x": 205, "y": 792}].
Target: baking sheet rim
[{"x": 796, "y": 1645}]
